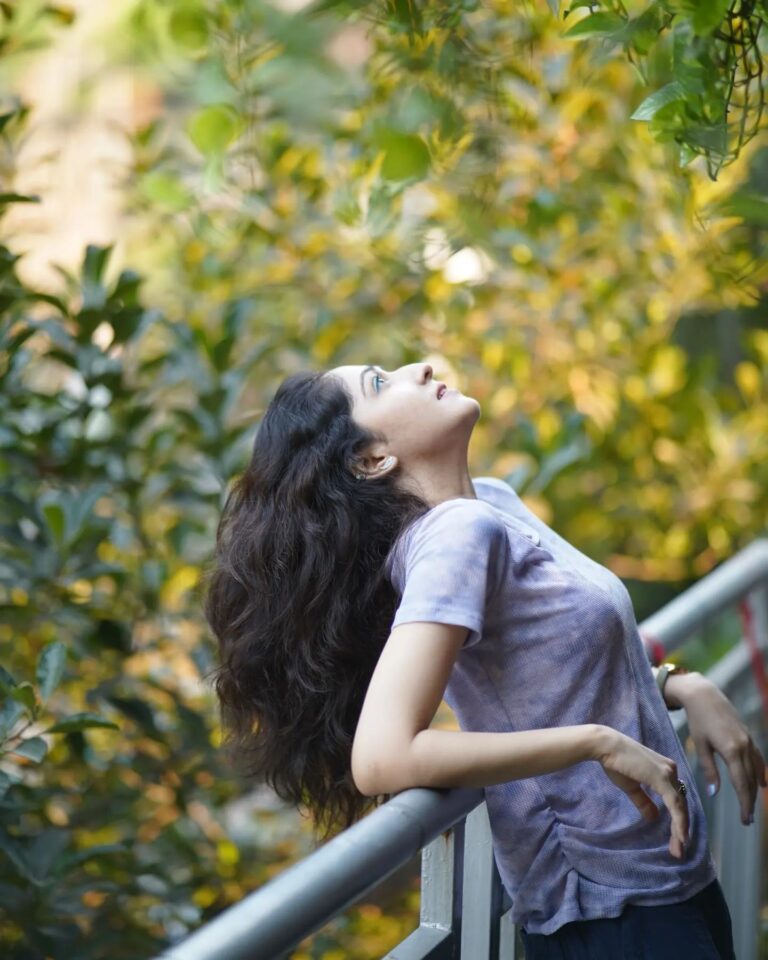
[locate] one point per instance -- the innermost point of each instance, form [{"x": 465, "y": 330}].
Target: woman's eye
[{"x": 375, "y": 378}]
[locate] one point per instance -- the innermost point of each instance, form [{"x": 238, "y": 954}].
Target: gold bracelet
[{"x": 663, "y": 671}]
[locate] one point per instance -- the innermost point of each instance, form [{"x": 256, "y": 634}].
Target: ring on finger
[{"x": 681, "y": 788}]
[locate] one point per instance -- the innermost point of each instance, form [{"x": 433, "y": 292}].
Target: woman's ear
[
  {"x": 387, "y": 465},
  {"x": 366, "y": 468}
]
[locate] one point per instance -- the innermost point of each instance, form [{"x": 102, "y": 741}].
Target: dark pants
[{"x": 695, "y": 929}]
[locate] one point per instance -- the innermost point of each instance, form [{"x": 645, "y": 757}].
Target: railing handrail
[
  {"x": 308, "y": 893},
  {"x": 275, "y": 918},
  {"x": 677, "y": 620}
]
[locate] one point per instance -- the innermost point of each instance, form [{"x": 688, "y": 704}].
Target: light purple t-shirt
[{"x": 553, "y": 642}]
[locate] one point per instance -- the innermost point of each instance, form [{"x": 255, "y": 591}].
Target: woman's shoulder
[
  {"x": 494, "y": 490},
  {"x": 458, "y": 513},
  {"x": 451, "y": 531}
]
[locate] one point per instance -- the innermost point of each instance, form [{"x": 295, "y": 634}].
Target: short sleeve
[{"x": 449, "y": 564}]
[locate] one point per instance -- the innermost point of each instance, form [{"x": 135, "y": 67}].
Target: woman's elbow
[
  {"x": 371, "y": 777},
  {"x": 374, "y": 776},
  {"x": 364, "y": 783}
]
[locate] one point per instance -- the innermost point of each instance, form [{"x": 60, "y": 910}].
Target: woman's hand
[
  {"x": 629, "y": 764},
  {"x": 716, "y": 727}
]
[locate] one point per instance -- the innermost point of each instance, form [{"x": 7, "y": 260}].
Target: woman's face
[{"x": 418, "y": 415}]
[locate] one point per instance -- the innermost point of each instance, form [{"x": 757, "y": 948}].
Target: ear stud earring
[{"x": 386, "y": 462}]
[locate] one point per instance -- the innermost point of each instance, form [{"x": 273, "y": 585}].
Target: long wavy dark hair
[{"x": 298, "y": 598}]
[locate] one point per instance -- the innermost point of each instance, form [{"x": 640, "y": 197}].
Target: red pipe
[{"x": 756, "y": 658}]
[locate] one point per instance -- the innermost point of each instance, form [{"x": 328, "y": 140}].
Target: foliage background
[{"x": 349, "y": 182}]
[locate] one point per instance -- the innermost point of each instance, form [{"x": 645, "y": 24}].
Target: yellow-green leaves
[
  {"x": 214, "y": 128},
  {"x": 669, "y": 93},
  {"x": 601, "y": 24},
  {"x": 188, "y": 27},
  {"x": 405, "y": 155},
  {"x": 166, "y": 190},
  {"x": 708, "y": 60},
  {"x": 50, "y": 667}
]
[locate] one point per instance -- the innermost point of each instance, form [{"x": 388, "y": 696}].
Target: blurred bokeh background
[{"x": 564, "y": 210}]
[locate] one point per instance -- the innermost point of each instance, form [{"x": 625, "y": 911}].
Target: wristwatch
[{"x": 665, "y": 670}]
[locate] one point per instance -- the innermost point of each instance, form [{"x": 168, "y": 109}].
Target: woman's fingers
[
  {"x": 748, "y": 772},
  {"x": 642, "y": 801},
  {"x": 630, "y": 765},
  {"x": 708, "y": 765},
  {"x": 762, "y": 774},
  {"x": 678, "y": 809},
  {"x": 739, "y": 760},
  {"x": 752, "y": 777},
  {"x": 636, "y": 794}
]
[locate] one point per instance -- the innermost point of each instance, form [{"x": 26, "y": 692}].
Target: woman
[{"x": 362, "y": 575}]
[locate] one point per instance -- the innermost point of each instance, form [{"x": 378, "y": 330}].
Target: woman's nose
[{"x": 426, "y": 372}]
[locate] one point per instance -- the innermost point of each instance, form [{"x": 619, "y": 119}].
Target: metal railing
[{"x": 464, "y": 909}]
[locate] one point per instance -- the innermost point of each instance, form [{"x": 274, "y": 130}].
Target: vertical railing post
[
  {"x": 739, "y": 852},
  {"x": 442, "y": 869},
  {"x": 482, "y": 891}
]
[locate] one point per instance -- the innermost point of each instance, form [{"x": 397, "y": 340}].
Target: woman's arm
[
  {"x": 448, "y": 758},
  {"x": 395, "y": 749},
  {"x": 715, "y": 727}
]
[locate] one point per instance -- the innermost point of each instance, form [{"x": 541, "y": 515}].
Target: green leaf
[
  {"x": 188, "y": 28},
  {"x": 686, "y": 154},
  {"x": 752, "y": 207},
  {"x": 50, "y": 667},
  {"x": 16, "y": 853},
  {"x": 95, "y": 263},
  {"x": 5, "y": 784},
  {"x": 6, "y": 117},
  {"x": 81, "y": 721},
  {"x": 10, "y": 713},
  {"x": 94, "y": 293},
  {"x": 65, "y": 15},
  {"x": 712, "y": 137},
  {"x": 643, "y": 32},
  {"x": 405, "y": 16},
  {"x": 5, "y": 678},
  {"x": 110, "y": 634},
  {"x": 19, "y": 198},
  {"x": 707, "y": 15},
  {"x": 213, "y": 128},
  {"x": 660, "y": 98},
  {"x": 34, "y": 856},
  {"x": 24, "y": 694},
  {"x": 80, "y": 510},
  {"x": 35, "y": 748},
  {"x": 56, "y": 520},
  {"x": 578, "y": 449},
  {"x": 166, "y": 190},
  {"x": 71, "y": 860},
  {"x": 405, "y": 155},
  {"x": 139, "y": 711},
  {"x": 596, "y": 25},
  {"x": 45, "y": 849}
]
